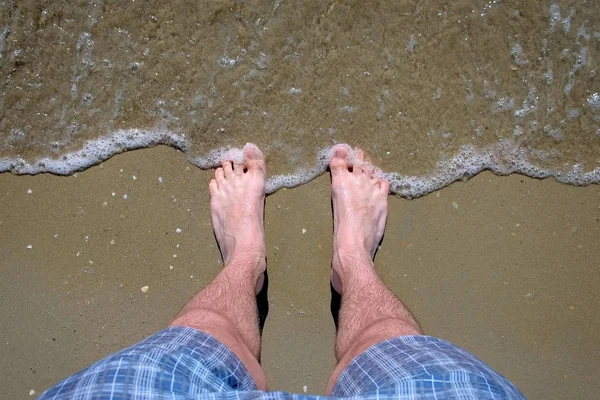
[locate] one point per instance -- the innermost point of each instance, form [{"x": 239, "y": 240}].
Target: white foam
[
  {"x": 566, "y": 22},
  {"x": 504, "y": 104},
  {"x": 529, "y": 104},
  {"x": 503, "y": 158},
  {"x": 3, "y": 34},
  {"x": 518, "y": 54},
  {"x": 488, "y": 91},
  {"x": 554, "y": 16},
  {"x": 549, "y": 75},
  {"x": 594, "y": 101},
  {"x": 579, "y": 63},
  {"x": 412, "y": 42},
  {"x": 582, "y": 34},
  {"x": 93, "y": 152}
]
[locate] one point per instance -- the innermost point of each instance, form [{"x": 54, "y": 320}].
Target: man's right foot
[{"x": 360, "y": 209}]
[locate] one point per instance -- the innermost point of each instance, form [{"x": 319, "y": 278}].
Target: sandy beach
[{"x": 505, "y": 267}]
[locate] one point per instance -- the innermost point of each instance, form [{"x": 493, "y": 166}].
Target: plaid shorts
[{"x": 184, "y": 363}]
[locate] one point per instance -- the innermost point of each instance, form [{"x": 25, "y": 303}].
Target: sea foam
[{"x": 502, "y": 158}]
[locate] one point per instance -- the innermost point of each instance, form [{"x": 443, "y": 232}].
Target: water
[{"x": 433, "y": 92}]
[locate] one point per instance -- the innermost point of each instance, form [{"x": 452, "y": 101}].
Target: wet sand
[{"x": 504, "y": 266}]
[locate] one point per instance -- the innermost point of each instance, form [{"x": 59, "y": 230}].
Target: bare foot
[
  {"x": 359, "y": 210},
  {"x": 237, "y": 204}
]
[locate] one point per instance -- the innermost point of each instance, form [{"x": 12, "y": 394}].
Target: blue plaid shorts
[{"x": 184, "y": 363}]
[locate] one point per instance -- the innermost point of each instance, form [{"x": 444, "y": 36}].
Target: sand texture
[{"x": 506, "y": 267}]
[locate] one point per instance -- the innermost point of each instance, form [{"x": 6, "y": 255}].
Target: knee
[
  {"x": 206, "y": 321},
  {"x": 391, "y": 328},
  {"x": 377, "y": 332},
  {"x": 246, "y": 348}
]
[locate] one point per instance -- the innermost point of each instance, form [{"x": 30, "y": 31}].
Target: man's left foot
[{"x": 237, "y": 204}]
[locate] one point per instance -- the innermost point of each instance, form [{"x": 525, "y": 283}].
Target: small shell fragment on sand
[
  {"x": 144, "y": 289},
  {"x": 178, "y": 230},
  {"x": 454, "y": 204},
  {"x": 125, "y": 196},
  {"x": 303, "y": 231},
  {"x": 31, "y": 392},
  {"x": 134, "y": 177},
  {"x": 29, "y": 191},
  {"x": 29, "y": 246},
  {"x": 304, "y": 388},
  {"x": 160, "y": 179}
]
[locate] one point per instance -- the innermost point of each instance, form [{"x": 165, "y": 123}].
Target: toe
[
  {"x": 384, "y": 186},
  {"x": 254, "y": 159},
  {"x": 359, "y": 165},
  {"x": 220, "y": 175},
  {"x": 359, "y": 154},
  {"x": 227, "y": 168},
  {"x": 339, "y": 161},
  {"x": 365, "y": 163},
  {"x": 238, "y": 169},
  {"x": 213, "y": 187}
]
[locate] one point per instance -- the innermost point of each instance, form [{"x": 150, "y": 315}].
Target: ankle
[
  {"x": 245, "y": 273},
  {"x": 354, "y": 271},
  {"x": 351, "y": 258},
  {"x": 248, "y": 262},
  {"x": 247, "y": 256}
]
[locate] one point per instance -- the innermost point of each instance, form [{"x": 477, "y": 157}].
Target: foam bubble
[
  {"x": 554, "y": 16},
  {"x": 529, "y": 104},
  {"x": 549, "y": 75},
  {"x": 412, "y": 42},
  {"x": 579, "y": 63},
  {"x": 594, "y": 101},
  {"x": 504, "y": 104},
  {"x": 518, "y": 54},
  {"x": 3, "y": 34}
]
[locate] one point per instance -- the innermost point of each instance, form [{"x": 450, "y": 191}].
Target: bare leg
[
  {"x": 369, "y": 312},
  {"x": 226, "y": 308}
]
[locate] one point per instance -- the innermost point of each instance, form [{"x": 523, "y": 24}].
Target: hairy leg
[
  {"x": 226, "y": 308},
  {"x": 369, "y": 313}
]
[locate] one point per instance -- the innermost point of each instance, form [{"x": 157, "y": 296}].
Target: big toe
[
  {"x": 339, "y": 160},
  {"x": 254, "y": 158}
]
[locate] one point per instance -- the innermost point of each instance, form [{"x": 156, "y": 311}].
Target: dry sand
[{"x": 506, "y": 267}]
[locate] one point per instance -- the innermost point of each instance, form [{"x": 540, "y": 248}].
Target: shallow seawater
[{"x": 433, "y": 92}]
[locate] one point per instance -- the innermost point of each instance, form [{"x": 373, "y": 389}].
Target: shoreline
[{"x": 503, "y": 158}]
